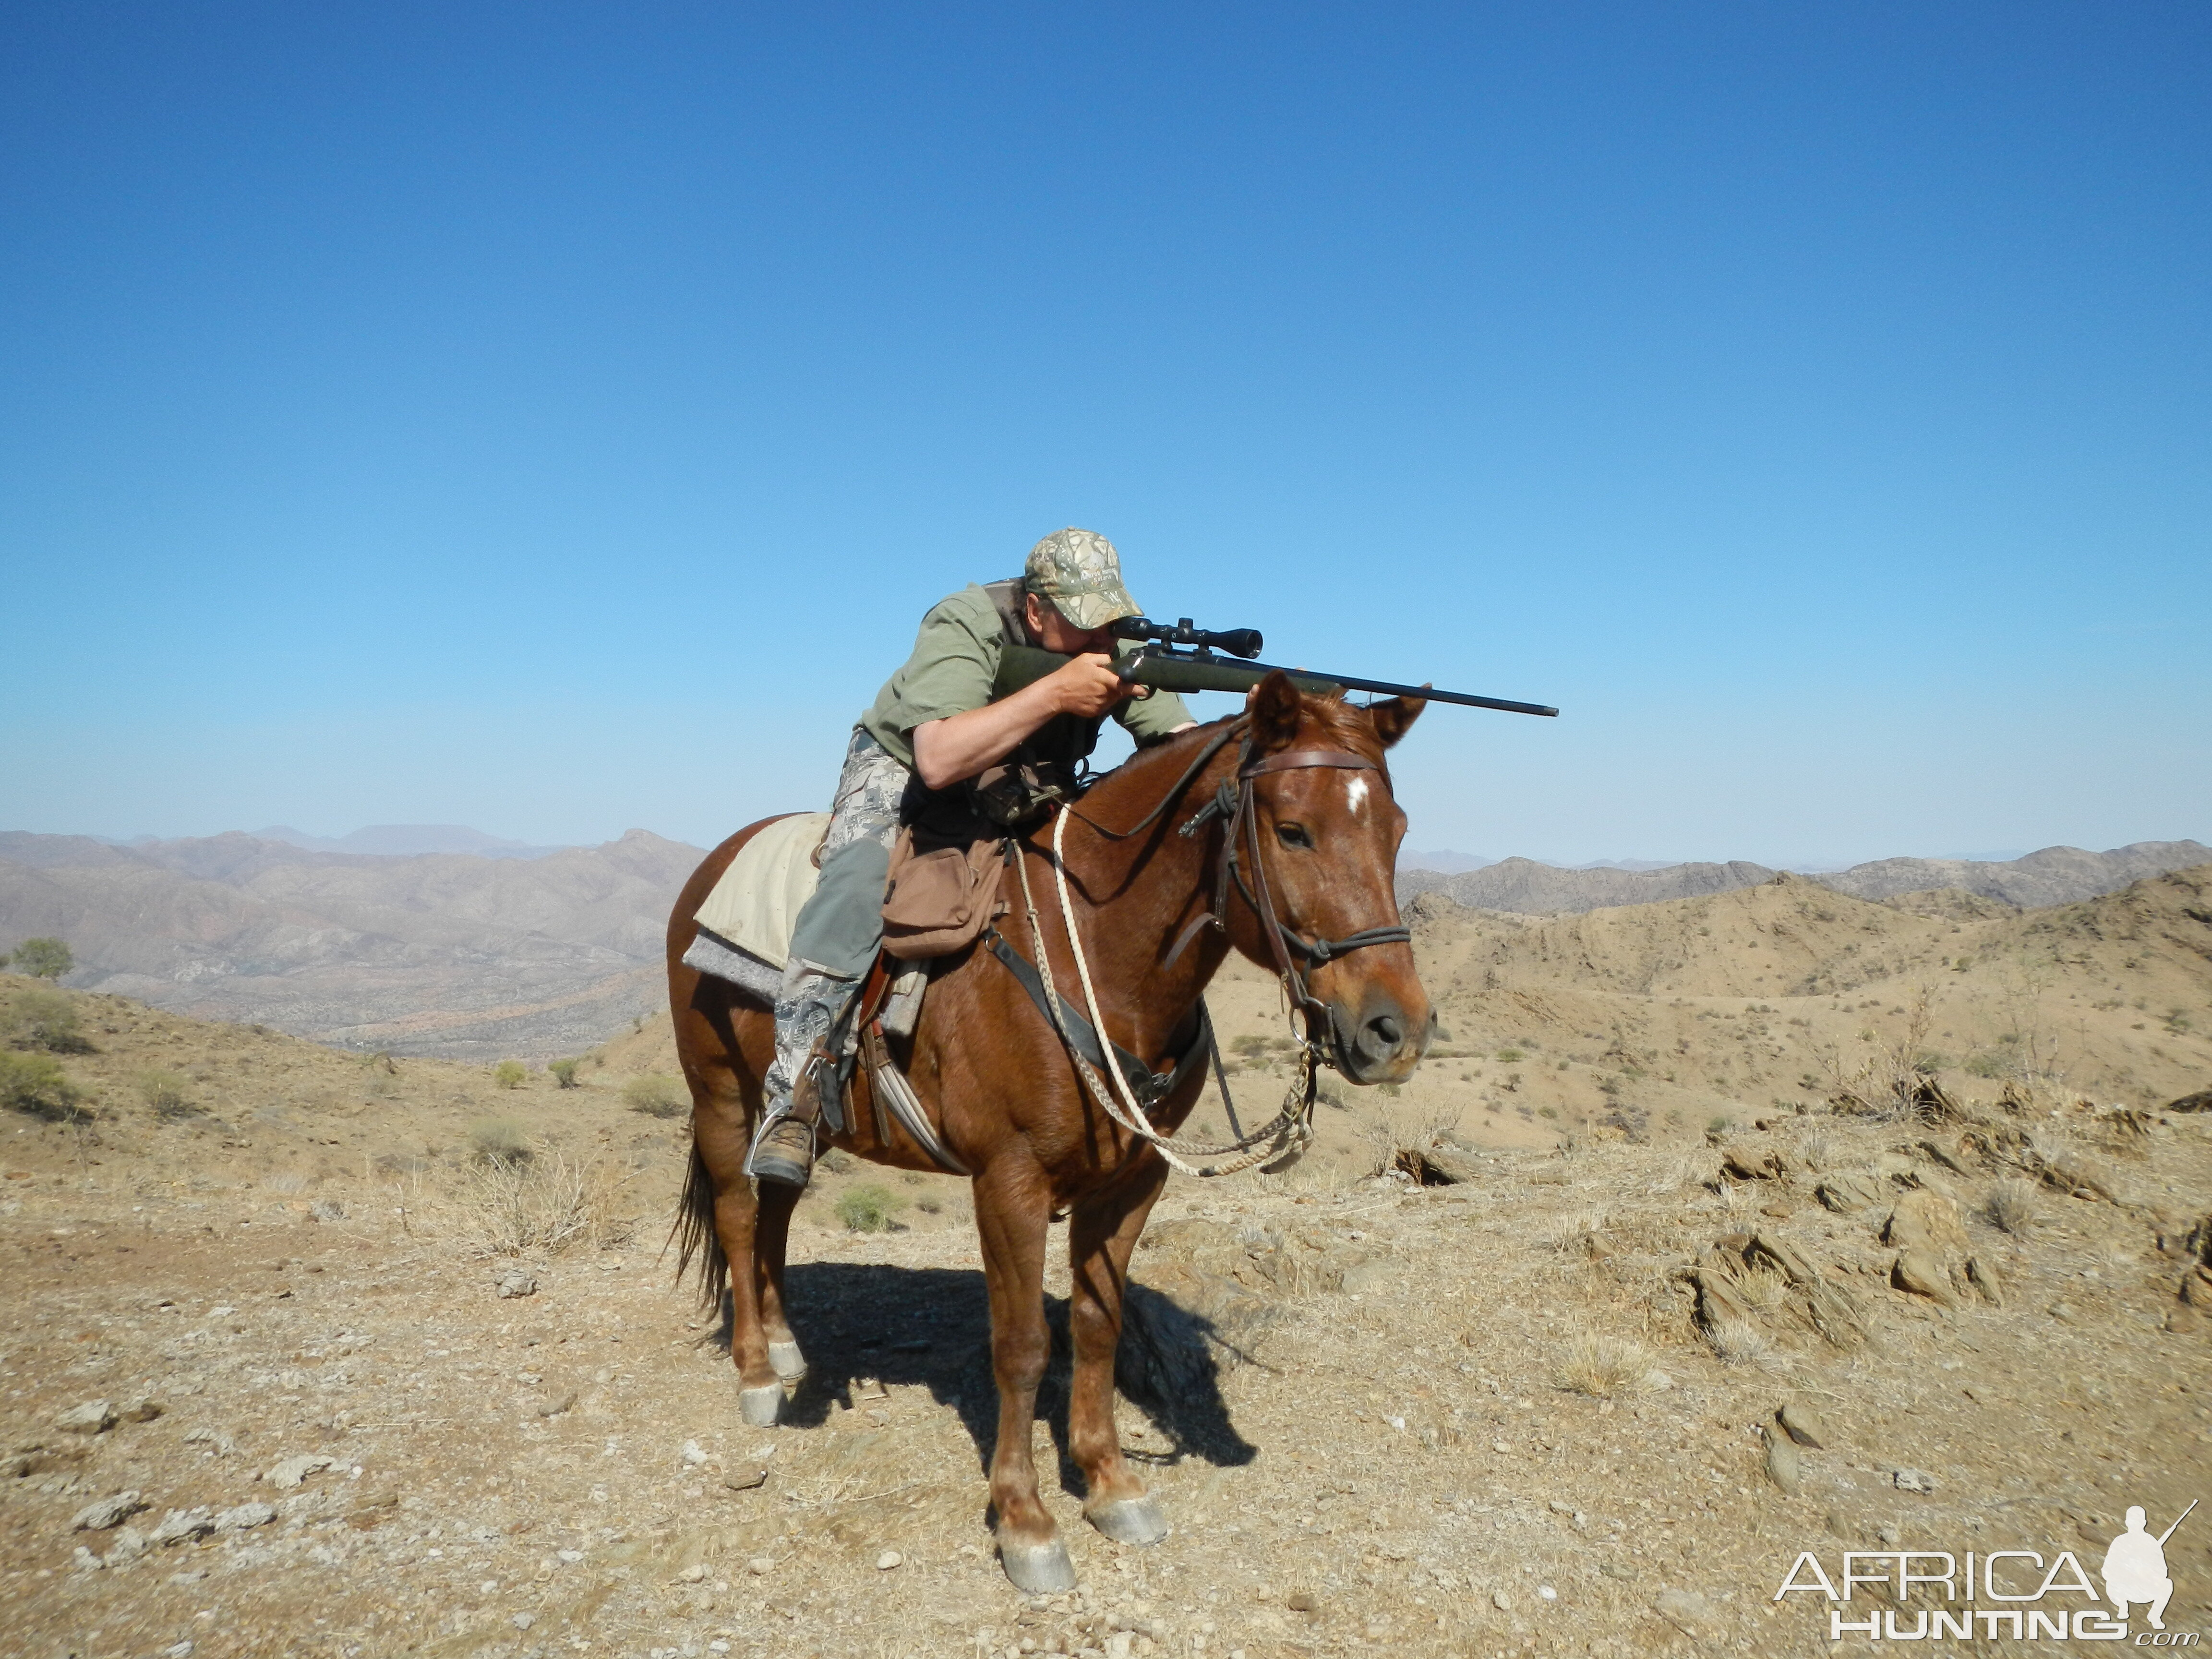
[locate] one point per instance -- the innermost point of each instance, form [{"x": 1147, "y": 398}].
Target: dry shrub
[
  {"x": 656, "y": 1095},
  {"x": 868, "y": 1209},
  {"x": 500, "y": 1140},
  {"x": 39, "y": 1019},
  {"x": 37, "y": 1085},
  {"x": 166, "y": 1094},
  {"x": 1603, "y": 1366},
  {"x": 2012, "y": 1206},
  {"x": 1736, "y": 1343},
  {"x": 546, "y": 1204}
]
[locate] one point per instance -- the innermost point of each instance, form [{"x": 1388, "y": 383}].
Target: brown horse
[{"x": 1302, "y": 784}]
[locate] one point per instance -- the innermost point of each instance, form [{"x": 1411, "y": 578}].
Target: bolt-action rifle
[{"x": 1197, "y": 668}]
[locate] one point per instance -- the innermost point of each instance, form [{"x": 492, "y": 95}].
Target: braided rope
[{"x": 1290, "y": 1131}]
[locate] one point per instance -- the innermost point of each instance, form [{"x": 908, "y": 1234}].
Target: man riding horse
[{"x": 935, "y": 726}]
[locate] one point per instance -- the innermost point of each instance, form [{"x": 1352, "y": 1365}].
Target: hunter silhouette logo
[
  {"x": 2033, "y": 1595},
  {"x": 2135, "y": 1567}
]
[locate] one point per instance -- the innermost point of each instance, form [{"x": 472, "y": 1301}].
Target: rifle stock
[{"x": 1020, "y": 666}]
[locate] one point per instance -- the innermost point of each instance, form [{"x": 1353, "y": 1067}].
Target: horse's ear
[
  {"x": 1394, "y": 718},
  {"x": 1275, "y": 713}
]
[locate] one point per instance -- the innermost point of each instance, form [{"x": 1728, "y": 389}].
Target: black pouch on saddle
[{"x": 1014, "y": 795}]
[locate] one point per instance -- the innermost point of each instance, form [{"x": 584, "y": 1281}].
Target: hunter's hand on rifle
[{"x": 1088, "y": 686}]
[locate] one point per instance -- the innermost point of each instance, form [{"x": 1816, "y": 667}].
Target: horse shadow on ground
[{"x": 931, "y": 1327}]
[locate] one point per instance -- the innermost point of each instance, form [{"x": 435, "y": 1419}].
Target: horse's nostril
[{"x": 1386, "y": 1030}]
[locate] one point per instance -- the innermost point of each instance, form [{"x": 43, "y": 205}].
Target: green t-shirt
[{"x": 955, "y": 661}]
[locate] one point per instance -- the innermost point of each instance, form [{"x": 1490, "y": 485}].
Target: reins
[{"x": 1287, "y": 1134}]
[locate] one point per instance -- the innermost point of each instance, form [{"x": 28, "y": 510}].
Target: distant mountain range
[
  {"x": 467, "y": 954},
  {"x": 502, "y": 949},
  {"x": 2056, "y": 875},
  {"x": 407, "y": 841}
]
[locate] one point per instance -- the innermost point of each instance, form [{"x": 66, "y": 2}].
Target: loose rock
[
  {"x": 693, "y": 1454},
  {"x": 1782, "y": 1467},
  {"x": 888, "y": 1560},
  {"x": 760, "y": 1566},
  {"x": 1804, "y": 1426},
  {"x": 294, "y": 1470},
  {"x": 1924, "y": 1274},
  {"x": 1983, "y": 1278},
  {"x": 516, "y": 1283},
  {"x": 180, "y": 1526},
  {"x": 93, "y": 1417},
  {"x": 1914, "y": 1480},
  {"x": 130, "y": 1544},
  {"x": 106, "y": 1512},
  {"x": 1848, "y": 1191},
  {"x": 245, "y": 1516},
  {"x": 1689, "y": 1613}
]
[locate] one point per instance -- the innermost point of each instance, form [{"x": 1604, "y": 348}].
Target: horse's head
[{"x": 1326, "y": 837}]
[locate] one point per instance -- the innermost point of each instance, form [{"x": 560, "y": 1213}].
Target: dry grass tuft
[
  {"x": 1604, "y": 1366},
  {"x": 1575, "y": 1233},
  {"x": 1736, "y": 1343},
  {"x": 1816, "y": 1150},
  {"x": 1763, "y": 1290},
  {"x": 2012, "y": 1206},
  {"x": 546, "y": 1204}
]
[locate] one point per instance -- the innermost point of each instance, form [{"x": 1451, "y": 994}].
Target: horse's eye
[{"x": 1293, "y": 834}]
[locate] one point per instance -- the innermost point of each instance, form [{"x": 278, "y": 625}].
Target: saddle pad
[{"x": 756, "y": 903}]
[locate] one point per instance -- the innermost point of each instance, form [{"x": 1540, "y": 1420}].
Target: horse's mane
[{"x": 1343, "y": 724}]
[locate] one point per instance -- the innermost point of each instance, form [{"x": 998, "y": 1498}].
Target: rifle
[{"x": 1159, "y": 665}]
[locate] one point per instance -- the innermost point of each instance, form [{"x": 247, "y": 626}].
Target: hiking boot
[{"x": 785, "y": 1154}]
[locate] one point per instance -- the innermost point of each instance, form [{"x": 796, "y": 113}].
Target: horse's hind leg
[
  {"x": 1010, "y": 1214},
  {"x": 720, "y": 1139},
  {"x": 771, "y": 1234},
  {"x": 1101, "y": 1232}
]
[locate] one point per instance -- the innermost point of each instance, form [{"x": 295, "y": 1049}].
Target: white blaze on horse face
[{"x": 1356, "y": 786}]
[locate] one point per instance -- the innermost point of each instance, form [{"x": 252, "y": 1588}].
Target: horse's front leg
[
  {"x": 1101, "y": 1232},
  {"x": 1011, "y": 1210}
]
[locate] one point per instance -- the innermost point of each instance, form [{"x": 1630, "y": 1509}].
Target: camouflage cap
[{"x": 1080, "y": 572}]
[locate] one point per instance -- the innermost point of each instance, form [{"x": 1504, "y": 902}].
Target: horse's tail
[{"x": 694, "y": 1234}]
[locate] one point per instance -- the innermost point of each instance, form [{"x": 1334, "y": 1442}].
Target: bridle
[
  {"x": 1279, "y": 1142},
  {"x": 1234, "y": 805}
]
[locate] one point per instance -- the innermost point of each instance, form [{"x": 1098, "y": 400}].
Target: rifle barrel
[
  {"x": 1019, "y": 665},
  {"x": 2176, "y": 1527}
]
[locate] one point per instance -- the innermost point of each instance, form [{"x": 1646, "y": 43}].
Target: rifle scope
[{"x": 1237, "y": 641}]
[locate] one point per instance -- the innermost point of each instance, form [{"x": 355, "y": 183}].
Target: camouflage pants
[{"x": 839, "y": 929}]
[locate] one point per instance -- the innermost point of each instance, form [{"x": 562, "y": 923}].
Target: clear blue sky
[{"x": 554, "y": 418}]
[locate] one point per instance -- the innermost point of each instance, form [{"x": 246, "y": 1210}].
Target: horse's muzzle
[{"x": 1380, "y": 1042}]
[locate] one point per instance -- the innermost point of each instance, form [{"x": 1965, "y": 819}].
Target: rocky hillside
[
  {"x": 457, "y": 955},
  {"x": 2056, "y": 875},
  {"x": 327, "y": 1355}
]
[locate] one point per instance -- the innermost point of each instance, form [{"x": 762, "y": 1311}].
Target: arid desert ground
[{"x": 310, "y": 1352}]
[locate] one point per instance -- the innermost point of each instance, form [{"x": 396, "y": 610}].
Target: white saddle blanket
[{"x": 756, "y": 903}]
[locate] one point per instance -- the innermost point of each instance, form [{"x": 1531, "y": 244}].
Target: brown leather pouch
[{"x": 942, "y": 894}]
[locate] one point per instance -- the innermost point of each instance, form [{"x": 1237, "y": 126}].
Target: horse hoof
[
  {"x": 759, "y": 1406},
  {"x": 1130, "y": 1520},
  {"x": 1038, "y": 1569},
  {"x": 790, "y": 1363}
]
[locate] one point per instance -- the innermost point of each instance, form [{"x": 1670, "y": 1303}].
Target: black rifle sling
[{"x": 1150, "y": 1086}]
